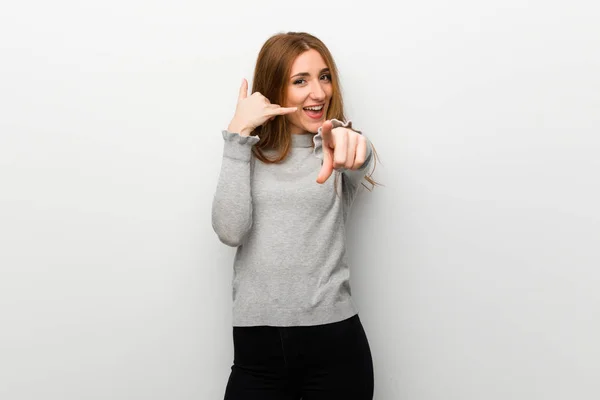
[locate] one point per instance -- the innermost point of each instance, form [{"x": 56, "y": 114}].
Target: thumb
[
  {"x": 327, "y": 167},
  {"x": 243, "y": 90},
  {"x": 326, "y": 133}
]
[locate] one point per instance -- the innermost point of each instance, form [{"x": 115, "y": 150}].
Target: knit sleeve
[
  {"x": 353, "y": 176},
  {"x": 232, "y": 202}
]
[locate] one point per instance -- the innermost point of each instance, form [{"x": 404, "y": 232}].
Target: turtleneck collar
[{"x": 302, "y": 139}]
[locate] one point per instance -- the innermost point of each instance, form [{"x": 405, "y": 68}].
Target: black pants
[{"x": 322, "y": 362}]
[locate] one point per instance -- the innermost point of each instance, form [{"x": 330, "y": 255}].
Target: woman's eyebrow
[{"x": 307, "y": 74}]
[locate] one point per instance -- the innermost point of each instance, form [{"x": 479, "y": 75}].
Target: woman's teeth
[{"x": 318, "y": 108}]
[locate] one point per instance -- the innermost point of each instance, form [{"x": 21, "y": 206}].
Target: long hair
[{"x": 272, "y": 70}]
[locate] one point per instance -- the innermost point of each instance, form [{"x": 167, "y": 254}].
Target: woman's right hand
[{"x": 251, "y": 112}]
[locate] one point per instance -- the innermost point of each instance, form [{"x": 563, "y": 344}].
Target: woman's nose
[{"x": 317, "y": 92}]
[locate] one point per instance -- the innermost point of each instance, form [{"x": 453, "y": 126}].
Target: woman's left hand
[{"x": 342, "y": 149}]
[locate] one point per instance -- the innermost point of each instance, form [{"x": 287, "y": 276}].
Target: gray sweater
[{"x": 290, "y": 268}]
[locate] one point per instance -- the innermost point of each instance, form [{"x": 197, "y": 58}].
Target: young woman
[{"x": 290, "y": 171}]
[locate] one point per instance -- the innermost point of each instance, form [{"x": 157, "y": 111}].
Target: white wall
[{"x": 475, "y": 269}]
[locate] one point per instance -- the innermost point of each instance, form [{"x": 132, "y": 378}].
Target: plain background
[{"x": 475, "y": 269}]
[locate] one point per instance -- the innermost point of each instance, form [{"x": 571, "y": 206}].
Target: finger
[
  {"x": 275, "y": 110},
  {"x": 326, "y": 133},
  {"x": 340, "y": 151},
  {"x": 361, "y": 152},
  {"x": 351, "y": 152},
  {"x": 327, "y": 167},
  {"x": 243, "y": 90}
]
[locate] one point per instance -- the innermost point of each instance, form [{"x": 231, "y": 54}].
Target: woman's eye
[{"x": 326, "y": 76}]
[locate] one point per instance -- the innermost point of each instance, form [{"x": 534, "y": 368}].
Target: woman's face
[{"x": 309, "y": 85}]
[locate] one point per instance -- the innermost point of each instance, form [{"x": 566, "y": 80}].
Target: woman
[{"x": 296, "y": 330}]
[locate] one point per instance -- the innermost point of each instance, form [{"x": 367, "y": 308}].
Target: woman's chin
[{"x": 313, "y": 126}]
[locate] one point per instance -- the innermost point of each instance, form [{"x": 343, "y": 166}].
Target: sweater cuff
[{"x": 237, "y": 146}]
